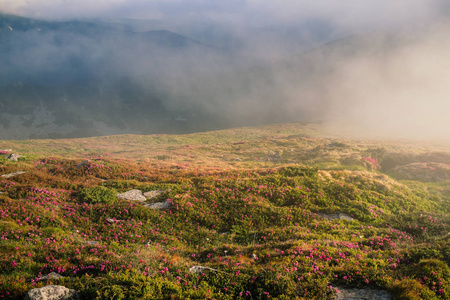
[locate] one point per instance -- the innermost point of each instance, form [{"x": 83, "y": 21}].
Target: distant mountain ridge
[
  {"x": 106, "y": 79},
  {"x": 88, "y": 73}
]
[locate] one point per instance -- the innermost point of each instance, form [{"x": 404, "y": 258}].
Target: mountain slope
[{"x": 90, "y": 78}]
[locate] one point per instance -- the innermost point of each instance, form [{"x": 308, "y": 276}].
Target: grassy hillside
[{"x": 274, "y": 212}]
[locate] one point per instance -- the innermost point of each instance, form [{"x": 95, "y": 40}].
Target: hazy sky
[{"x": 342, "y": 15}]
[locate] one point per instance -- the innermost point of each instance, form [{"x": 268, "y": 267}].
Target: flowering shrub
[
  {"x": 372, "y": 162},
  {"x": 260, "y": 233}
]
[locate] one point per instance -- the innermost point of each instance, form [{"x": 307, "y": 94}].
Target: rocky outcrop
[
  {"x": 132, "y": 195},
  {"x": 52, "y": 292}
]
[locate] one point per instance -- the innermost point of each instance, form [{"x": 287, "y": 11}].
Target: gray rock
[
  {"x": 14, "y": 157},
  {"x": 152, "y": 194},
  {"x": 159, "y": 205},
  {"x": 132, "y": 195},
  {"x": 200, "y": 269},
  {"x": 52, "y": 292},
  {"x": 362, "y": 294},
  {"x": 10, "y": 175},
  {"x": 52, "y": 275},
  {"x": 336, "y": 216},
  {"x": 82, "y": 164}
]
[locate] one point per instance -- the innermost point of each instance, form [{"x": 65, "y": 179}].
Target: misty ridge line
[{"x": 380, "y": 85}]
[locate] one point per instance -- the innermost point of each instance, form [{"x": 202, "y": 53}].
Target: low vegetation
[{"x": 261, "y": 231}]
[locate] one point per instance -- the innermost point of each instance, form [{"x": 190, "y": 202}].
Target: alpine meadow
[{"x": 240, "y": 149}]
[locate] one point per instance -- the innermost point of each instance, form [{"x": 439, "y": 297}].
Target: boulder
[
  {"x": 52, "y": 292},
  {"x": 153, "y": 194},
  {"x": 132, "y": 195}
]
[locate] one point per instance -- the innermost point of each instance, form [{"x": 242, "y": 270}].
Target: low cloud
[{"x": 383, "y": 72}]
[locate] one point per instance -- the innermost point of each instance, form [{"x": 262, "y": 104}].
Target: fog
[{"x": 373, "y": 69}]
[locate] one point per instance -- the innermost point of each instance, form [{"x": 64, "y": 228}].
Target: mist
[{"x": 373, "y": 70}]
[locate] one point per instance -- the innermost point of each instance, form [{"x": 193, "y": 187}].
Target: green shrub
[
  {"x": 410, "y": 289},
  {"x": 98, "y": 194}
]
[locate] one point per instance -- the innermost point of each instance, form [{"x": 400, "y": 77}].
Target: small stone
[
  {"x": 336, "y": 216},
  {"x": 112, "y": 221},
  {"x": 10, "y": 175},
  {"x": 132, "y": 195},
  {"x": 52, "y": 275},
  {"x": 52, "y": 292},
  {"x": 82, "y": 164}
]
